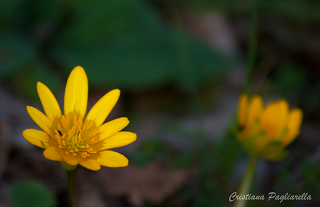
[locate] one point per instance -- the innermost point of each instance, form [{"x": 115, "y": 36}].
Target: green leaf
[
  {"x": 123, "y": 44},
  {"x": 31, "y": 194}
]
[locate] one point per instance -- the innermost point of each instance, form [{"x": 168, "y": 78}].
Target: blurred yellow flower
[
  {"x": 266, "y": 131},
  {"x": 73, "y": 139}
]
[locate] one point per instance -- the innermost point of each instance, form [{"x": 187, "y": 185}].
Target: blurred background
[{"x": 181, "y": 66}]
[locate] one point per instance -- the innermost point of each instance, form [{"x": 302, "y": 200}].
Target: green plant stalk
[
  {"x": 72, "y": 190},
  {"x": 246, "y": 182},
  {"x": 252, "y": 52}
]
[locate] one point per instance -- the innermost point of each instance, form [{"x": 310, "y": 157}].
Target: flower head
[
  {"x": 74, "y": 137},
  {"x": 266, "y": 131}
]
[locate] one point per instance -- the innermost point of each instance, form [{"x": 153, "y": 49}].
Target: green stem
[
  {"x": 72, "y": 190},
  {"x": 252, "y": 52},
  {"x": 246, "y": 182}
]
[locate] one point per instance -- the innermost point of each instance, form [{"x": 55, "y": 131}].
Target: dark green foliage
[
  {"x": 31, "y": 194},
  {"x": 150, "y": 151},
  {"x": 290, "y": 79},
  {"x": 120, "y": 44},
  {"x": 15, "y": 52},
  {"x": 124, "y": 43}
]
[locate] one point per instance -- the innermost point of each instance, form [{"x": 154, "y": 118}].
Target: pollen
[{"x": 70, "y": 136}]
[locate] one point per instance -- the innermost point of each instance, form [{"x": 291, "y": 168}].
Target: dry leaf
[{"x": 152, "y": 183}]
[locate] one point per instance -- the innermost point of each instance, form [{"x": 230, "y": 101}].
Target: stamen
[
  {"x": 68, "y": 121},
  {"x": 92, "y": 133},
  {"x": 71, "y": 132},
  {"x": 80, "y": 137},
  {"x": 81, "y": 121},
  {"x": 60, "y": 128},
  {"x": 74, "y": 120},
  {"x": 57, "y": 137},
  {"x": 74, "y": 140},
  {"x": 89, "y": 149},
  {"x": 93, "y": 140},
  {"x": 64, "y": 123},
  {"x": 87, "y": 125},
  {"x": 75, "y": 136}
]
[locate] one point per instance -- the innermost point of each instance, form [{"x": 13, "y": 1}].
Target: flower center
[{"x": 73, "y": 136}]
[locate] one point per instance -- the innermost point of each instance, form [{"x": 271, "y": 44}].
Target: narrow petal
[
  {"x": 112, "y": 159},
  {"x": 70, "y": 159},
  {"x": 118, "y": 140},
  {"x": 38, "y": 138},
  {"x": 39, "y": 118},
  {"x": 283, "y": 115},
  {"x": 110, "y": 128},
  {"x": 103, "y": 107},
  {"x": 90, "y": 164},
  {"x": 275, "y": 118},
  {"x": 294, "y": 123},
  {"x": 255, "y": 109},
  {"x": 76, "y": 92},
  {"x": 242, "y": 109},
  {"x": 269, "y": 118},
  {"x": 49, "y": 102},
  {"x": 53, "y": 153}
]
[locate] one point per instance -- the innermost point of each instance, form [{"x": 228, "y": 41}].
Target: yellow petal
[
  {"x": 118, "y": 140},
  {"x": 39, "y": 118},
  {"x": 110, "y": 128},
  {"x": 268, "y": 119},
  {"x": 49, "y": 102},
  {"x": 255, "y": 109},
  {"x": 90, "y": 164},
  {"x": 38, "y": 138},
  {"x": 242, "y": 110},
  {"x": 103, "y": 107},
  {"x": 283, "y": 115},
  {"x": 70, "y": 159},
  {"x": 76, "y": 92},
  {"x": 53, "y": 153},
  {"x": 294, "y": 123},
  {"x": 112, "y": 159}
]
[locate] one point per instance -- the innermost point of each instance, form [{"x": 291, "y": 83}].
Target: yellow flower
[
  {"x": 266, "y": 131},
  {"x": 73, "y": 138}
]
